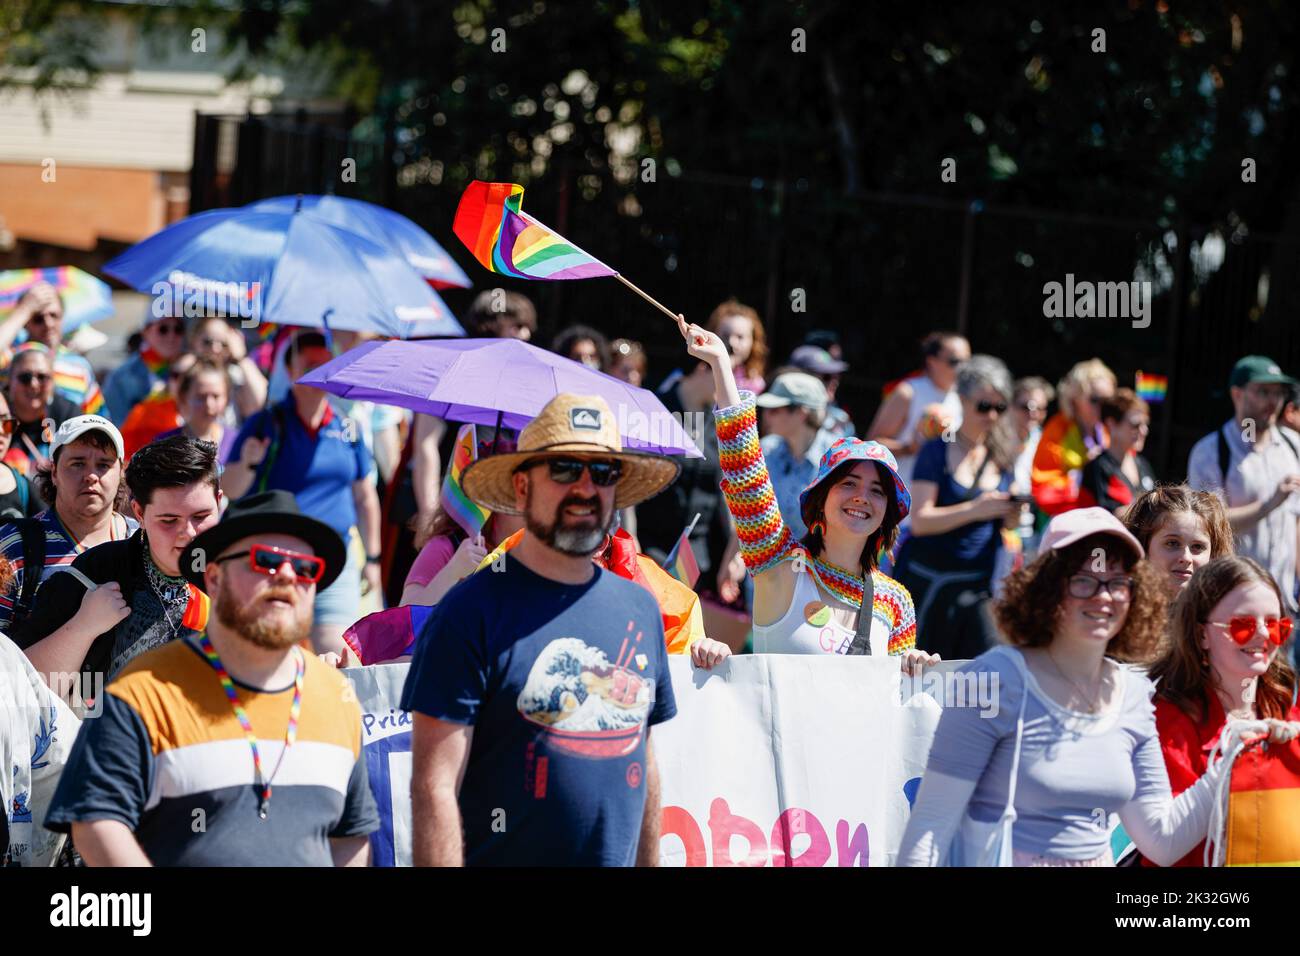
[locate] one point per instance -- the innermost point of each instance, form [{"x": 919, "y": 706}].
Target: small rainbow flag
[
  {"x": 454, "y": 501},
  {"x": 505, "y": 239},
  {"x": 680, "y": 562},
  {"x": 196, "y": 610},
  {"x": 1152, "y": 388}
]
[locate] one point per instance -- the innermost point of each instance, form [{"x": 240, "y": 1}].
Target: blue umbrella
[
  {"x": 286, "y": 268},
  {"x": 381, "y": 225}
]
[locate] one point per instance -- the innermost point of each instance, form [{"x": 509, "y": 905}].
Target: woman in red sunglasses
[{"x": 1223, "y": 659}]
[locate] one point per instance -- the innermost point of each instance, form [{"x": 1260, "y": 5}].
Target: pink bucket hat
[{"x": 1071, "y": 526}]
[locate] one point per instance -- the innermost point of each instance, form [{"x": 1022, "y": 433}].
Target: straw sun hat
[{"x": 580, "y": 425}]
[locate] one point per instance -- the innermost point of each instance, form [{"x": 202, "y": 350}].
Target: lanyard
[{"x": 290, "y": 733}]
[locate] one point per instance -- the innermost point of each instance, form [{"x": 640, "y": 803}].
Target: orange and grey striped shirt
[{"x": 168, "y": 759}]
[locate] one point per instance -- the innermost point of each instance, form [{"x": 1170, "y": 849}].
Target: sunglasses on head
[
  {"x": 265, "y": 559},
  {"x": 566, "y": 471},
  {"x": 1242, "y": 629},
  {"x": 30, "y": 378},
  {"x": 985, "y": 407}
]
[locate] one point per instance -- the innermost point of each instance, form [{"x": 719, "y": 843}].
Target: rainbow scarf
[{"x": 155, "y": 363}]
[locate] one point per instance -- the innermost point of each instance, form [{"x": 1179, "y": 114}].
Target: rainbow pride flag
[
  {"x": 454, "y": 501},
  {"x": 505, "y": 239},
  {"x": 680, "y": 562},
  {"x": 1151, "y": 388},
  {"x": 196, "y": 610}
]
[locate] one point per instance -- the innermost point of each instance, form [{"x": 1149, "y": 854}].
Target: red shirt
[{"x": 1186, "y": 746}]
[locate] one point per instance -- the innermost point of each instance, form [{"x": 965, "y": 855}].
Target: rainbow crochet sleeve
[
  {"x": 764, "y": 538},
  {"x": 893, "y": 603}
]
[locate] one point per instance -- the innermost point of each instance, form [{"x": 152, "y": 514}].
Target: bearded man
[
  {"x": 179, "y": 767},
  {"x": 534, "y": 687}
]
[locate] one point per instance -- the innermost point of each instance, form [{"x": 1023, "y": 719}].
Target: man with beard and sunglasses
[
  {"x": 199, "y": 730},
  {"x": 534, "y": 687}
]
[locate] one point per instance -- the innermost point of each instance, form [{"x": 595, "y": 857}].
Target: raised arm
[{"x": 764, "y": 538}]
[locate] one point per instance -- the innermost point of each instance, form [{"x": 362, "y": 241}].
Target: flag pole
[{"x": 655, "y": 302}]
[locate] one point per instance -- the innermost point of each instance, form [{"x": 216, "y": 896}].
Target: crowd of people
[{"x": 190, "y": 553}]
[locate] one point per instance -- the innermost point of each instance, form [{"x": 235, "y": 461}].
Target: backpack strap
[
  {"x": 33, "y": 533},
  {"x": 1224, "y": 457},
  {"x": 862, "y": 637}
]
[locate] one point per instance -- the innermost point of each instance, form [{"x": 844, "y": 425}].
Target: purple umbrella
[{"x": 486, "y": 380}]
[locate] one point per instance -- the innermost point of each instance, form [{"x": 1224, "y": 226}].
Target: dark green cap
[{"x": 1258, "y": 368}]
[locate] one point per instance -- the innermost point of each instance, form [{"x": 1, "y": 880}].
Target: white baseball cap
[{"x": 74, "y": 428}]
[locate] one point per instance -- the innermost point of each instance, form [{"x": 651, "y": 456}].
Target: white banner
[{"x": 772, "y": 759}]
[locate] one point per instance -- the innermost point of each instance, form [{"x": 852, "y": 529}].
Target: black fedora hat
[{"x": 271, "y": 512}]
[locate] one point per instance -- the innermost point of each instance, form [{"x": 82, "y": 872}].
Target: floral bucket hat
[{"x": 855, "y": 449}]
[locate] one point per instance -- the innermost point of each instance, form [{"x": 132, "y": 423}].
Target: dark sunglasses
[
  {"x": 265, "y": 559},
  {"x": 952, "y": 361},
  {"x": 170, "y": 328},
  {"x": 1242, "y": 629},
  {"x": 7, "y": 424},
  {"x": 29, "y": 378},
  {"x": 565, "y": 471},
  {"x": 985, "y": 407}
]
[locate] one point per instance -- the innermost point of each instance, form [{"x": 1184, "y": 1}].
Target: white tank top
[
  {"x": 924, "y": 394},
  {"x": 810, "y": 627}
]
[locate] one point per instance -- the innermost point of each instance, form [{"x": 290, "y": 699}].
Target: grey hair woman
[{"x": 961, "y": 501}]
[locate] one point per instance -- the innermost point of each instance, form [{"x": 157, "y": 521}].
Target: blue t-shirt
[
  {"x": 318, "y": 468},
  {"x": 972, "y": 546},
  {"x": 560, "y": 683}
]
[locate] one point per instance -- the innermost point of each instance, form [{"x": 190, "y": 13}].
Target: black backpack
[{"x": 1225, "y": 456}]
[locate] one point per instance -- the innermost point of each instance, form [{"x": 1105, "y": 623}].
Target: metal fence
[{"x": 880, "y": 269}]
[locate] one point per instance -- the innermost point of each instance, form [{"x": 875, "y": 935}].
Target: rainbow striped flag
[
  {"x": 680, "y": 562},
  {"x": 454, "y": 501},
  {"x": 1152, "y": 388},
  {"x": 505, "y": 239},
  {"x": 196, "y": 610}
]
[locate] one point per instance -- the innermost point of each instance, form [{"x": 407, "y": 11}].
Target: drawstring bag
[{"x": 1255, "y": 817}]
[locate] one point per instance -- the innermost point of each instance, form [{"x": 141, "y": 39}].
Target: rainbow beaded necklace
[{"x": 290, "y": 733}]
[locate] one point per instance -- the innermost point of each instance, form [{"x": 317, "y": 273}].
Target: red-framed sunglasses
[
  {"x": 265, "y": 559},
  {"x": 1242, "y": 629}
]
